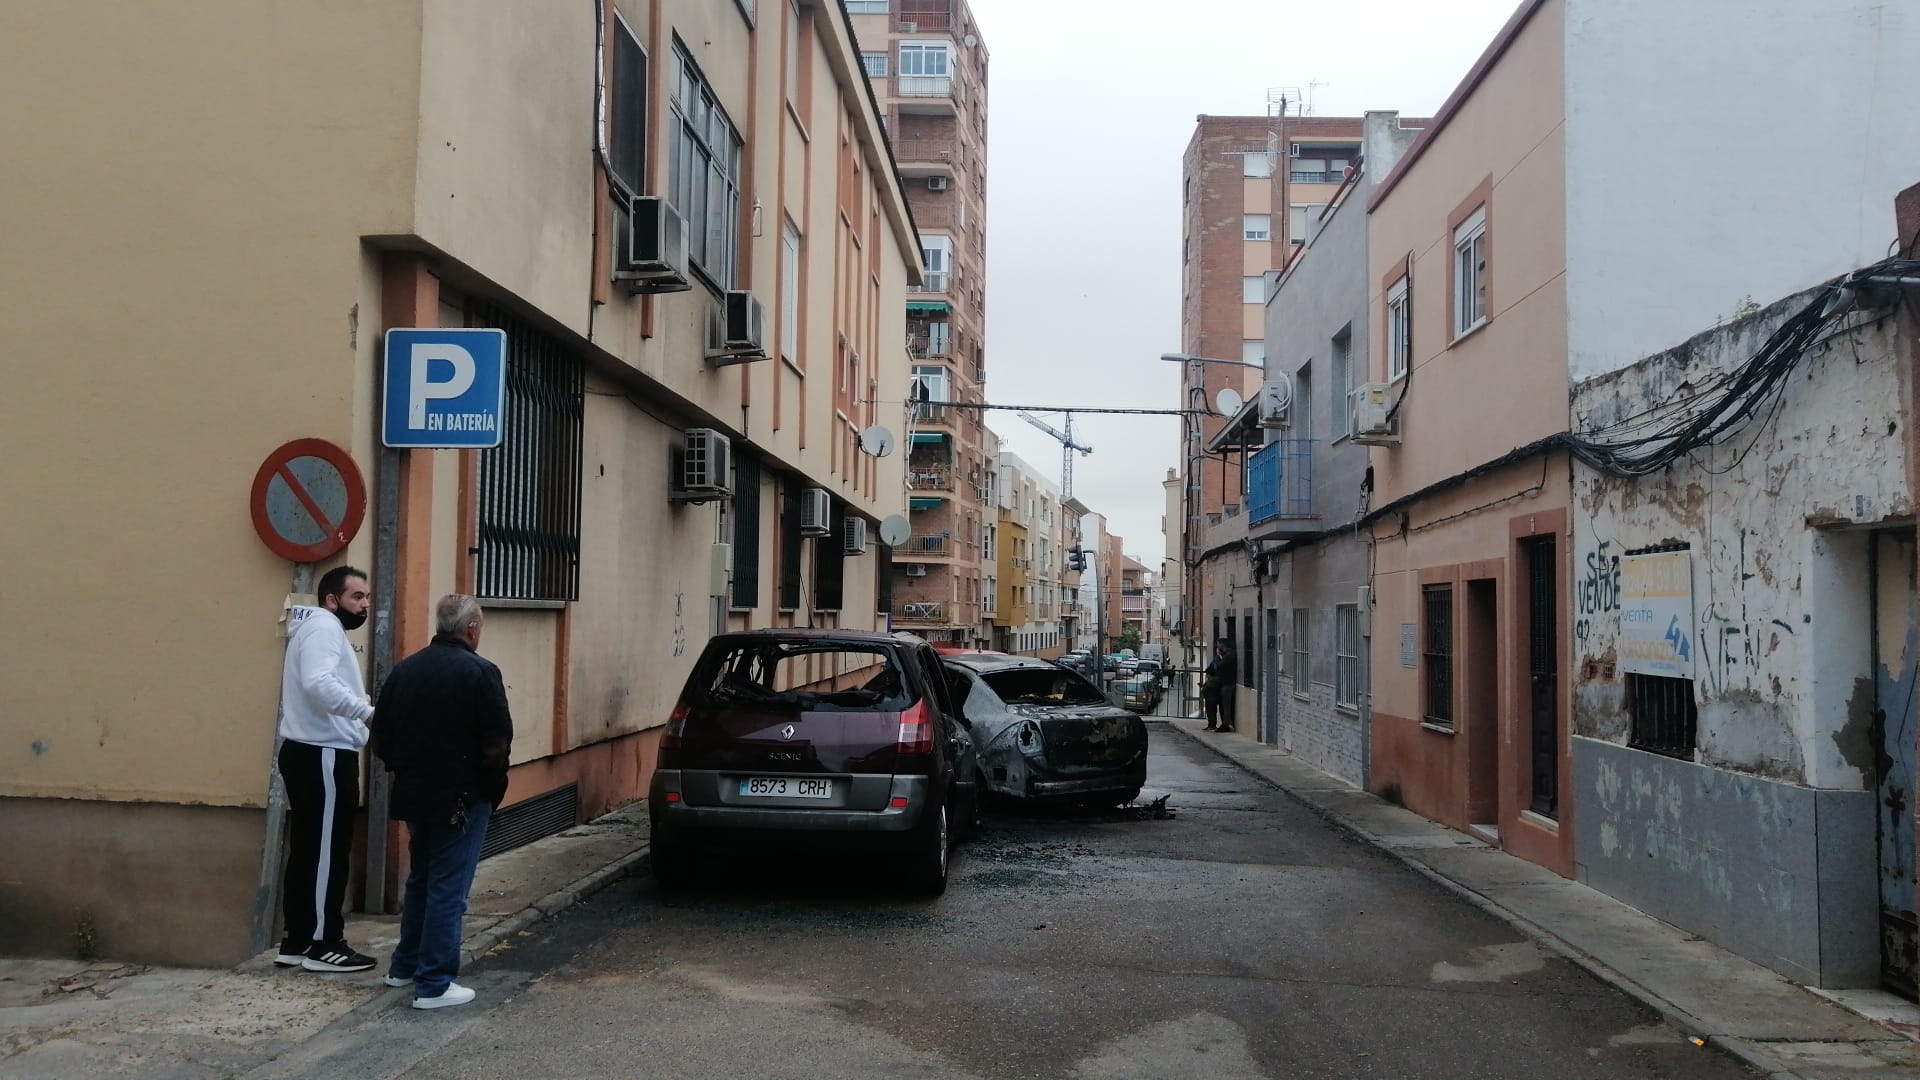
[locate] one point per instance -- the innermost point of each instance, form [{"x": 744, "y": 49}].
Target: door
[
  {"x": 1543, "y": 676},
  {"x": 1894, "y": 655},
  {"x": 1482, "y": 719},
  {"x": 1270, "y": 682}
]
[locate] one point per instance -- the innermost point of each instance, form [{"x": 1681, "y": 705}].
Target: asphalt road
[{"x": 1243, "y": 937}]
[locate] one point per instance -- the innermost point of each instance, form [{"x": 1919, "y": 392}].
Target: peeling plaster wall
[{"x": 1740, "y": 844}]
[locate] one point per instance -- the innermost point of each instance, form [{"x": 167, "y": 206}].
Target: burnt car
[
  {"x": 1040, "y": 730},
  {"x": 831, "y": 738}
]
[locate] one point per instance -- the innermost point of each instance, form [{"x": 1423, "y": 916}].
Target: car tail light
[
  {"x": 673, "y": 796},
  {"x": 899, "y": 802},
  {"x": 916, "y": 730},
  {"x": 676, "y": 726}
]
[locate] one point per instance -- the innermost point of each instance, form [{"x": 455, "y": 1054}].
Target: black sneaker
[
  {"x": 336, "y": 956},
  {"x": 292, "y": 954}
]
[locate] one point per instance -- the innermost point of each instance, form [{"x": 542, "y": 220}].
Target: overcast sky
[{"x": 1092, "y": 105}]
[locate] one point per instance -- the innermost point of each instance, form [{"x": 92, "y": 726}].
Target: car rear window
[
  {"x": 1042, "y": 686},
  {"x": 804, "y": 675}
]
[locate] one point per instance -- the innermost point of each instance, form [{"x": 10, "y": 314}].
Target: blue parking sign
[{"x": 445, "y": 389}]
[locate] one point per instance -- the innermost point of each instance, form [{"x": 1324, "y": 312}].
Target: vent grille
[{"x": 532, "y": 819}]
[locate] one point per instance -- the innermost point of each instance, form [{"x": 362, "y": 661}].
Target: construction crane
[{"x": 1067, "y": 447}]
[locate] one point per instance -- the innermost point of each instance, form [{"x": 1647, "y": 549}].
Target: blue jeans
[{"x": 443, "y": 858}]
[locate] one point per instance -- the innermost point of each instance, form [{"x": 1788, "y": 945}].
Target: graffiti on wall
[{"x": 1598, "y": 590}]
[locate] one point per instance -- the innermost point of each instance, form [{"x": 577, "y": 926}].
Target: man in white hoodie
[{"x": 324, "y": 712}]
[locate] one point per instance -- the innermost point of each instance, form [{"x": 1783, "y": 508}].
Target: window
[
  {"x": 1253, "y": 290},
  {"x": 529, "y": 508},
  {"x": 874, "y": 62},
  {"x": 1256, "y": 226},
  {"x": 746, "y": 530},
  {"x": 1346, "y": 656},
  {"x": 1257, "y": 164},
  {"x": 925, "y": 67},
  {"x": 1297, "y": 221},
  {"x": 705, "y": 174},
  {"x": 1341, "y": 374},
  {"x": 866, "y": 7},
  {"x": 1664, "y": 715},
  {"x": 790, "y": 542},
  {"x": 1399, "y": 328},
  {"x": 1437, "y": 655},
  {"x": 789, "y": 291},
  {"x": 1302, "y": 625},
  {"x": 829, "y": 561},
  {"x": 1186, "y": 191},
  {"x": 627, "y": 129},
  {"x": 936, "y": 252},
  {"x": 1308, "y": 171},
  {"x": 1470, "y": 273},
  {"x": 1253, "y": 352}
]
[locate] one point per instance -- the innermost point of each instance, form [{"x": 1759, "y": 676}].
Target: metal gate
[
  {"x": 1894, "y": 654},
  {"x": 1270, "y": 682},
  {"x": 1543, "y": 675}
]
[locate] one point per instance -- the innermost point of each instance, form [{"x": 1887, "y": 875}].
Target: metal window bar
[
  {"x": 1543, "y": 675},
  {"x": 529, "y": 505},
  {"x": 1437, "y": 657},
  {"x": 1665, "y": 717},
  {"x": 791, "y": 548},
  {"x": 746, "y": 531}
]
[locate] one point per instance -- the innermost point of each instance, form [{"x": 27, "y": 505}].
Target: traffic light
[{"x": 1076, "y": 558}]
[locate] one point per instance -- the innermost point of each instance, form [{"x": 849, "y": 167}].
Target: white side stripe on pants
[{"x": 325, "y": 854}]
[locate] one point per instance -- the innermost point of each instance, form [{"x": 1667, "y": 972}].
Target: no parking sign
[{"x": 308, "y": 500}]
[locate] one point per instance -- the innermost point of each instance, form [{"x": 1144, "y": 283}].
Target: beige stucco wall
[
  {"x": 181, "y": 299},
  {"x": 1505, "y": 384}
]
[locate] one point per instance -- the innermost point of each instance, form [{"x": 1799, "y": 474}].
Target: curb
[
  {"x": 479, "y": 944},
  {"x": 1746, "y": 1051}
]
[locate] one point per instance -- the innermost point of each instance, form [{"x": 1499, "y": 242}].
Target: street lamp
[{"x": 1186, "y": 358}]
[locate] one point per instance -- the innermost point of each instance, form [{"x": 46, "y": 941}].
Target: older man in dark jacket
[{"x": 444, "y": 731}]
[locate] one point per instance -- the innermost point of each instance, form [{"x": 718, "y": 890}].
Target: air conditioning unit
[
  {"x": 739, "y": 332},
  {"x": 856, "y": 536},
  {"x": 1371, "y": 407},
  {"x": 656, "y": 259},
  {"x": 909, "y": 28},
  {"x": 916, "y": 569},
  {"x": 706, "y": 466},
  {"x": 1276, "y": 402},
  {"x": 816, "y": 510},
  {"x": 938, "y": 183}
]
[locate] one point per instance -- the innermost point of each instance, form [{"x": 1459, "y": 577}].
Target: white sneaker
[
  {"x": 395, "y": 980},
  {"x": 455, "y": 995}
]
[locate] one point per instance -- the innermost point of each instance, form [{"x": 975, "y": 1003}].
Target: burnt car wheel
[{"x": 927, "y": 862}]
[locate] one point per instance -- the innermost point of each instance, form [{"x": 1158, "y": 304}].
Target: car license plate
[{"x": 785, "y": 787}]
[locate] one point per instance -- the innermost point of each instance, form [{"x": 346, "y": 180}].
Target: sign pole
[
  {"x": 386, "y": 569},
  {"x": 271, "y": 850}
]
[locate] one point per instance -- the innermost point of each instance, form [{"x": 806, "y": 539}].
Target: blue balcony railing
[{"x": 1280, "y": 481}]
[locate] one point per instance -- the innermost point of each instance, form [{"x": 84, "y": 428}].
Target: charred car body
[
  {"x": 1040, "y": 730},
  {"x": 841, "y": 739}
]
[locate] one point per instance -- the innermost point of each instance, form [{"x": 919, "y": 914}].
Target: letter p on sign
[
  {"x": 421, "y": 384},
  {"x": 444, "y": 389}
]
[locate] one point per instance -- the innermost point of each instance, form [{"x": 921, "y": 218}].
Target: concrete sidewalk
[
  {"x": 62, "y": 1018},
  {"x": 1776, "y": 1026}
]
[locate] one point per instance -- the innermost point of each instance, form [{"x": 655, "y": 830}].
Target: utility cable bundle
[{"x": 1737, "y": 398}]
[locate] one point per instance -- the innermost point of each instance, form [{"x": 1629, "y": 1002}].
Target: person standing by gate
[
  {"x": 1216, "y": 686},
  {"x": 445, "y": 733},
  {"x": 323, "y": 724}
]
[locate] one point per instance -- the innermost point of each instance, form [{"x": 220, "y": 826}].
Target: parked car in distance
[
  {"x": 1042, "y": 731},
  {"x": 836, "y": 738},
  {"x": 1150, "y": 669},
  {"x": 1137, "y": 692}
]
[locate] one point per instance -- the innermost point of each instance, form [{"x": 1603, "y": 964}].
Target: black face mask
[{"x": 349, "y": 620}]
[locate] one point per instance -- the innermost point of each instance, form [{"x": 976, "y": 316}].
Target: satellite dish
[
  {"x": 895, "y": 530},
  {"x": 970, "y": 40},
  {"x": 1228, "y": 401},
  {"x": 877, "y": 441}
]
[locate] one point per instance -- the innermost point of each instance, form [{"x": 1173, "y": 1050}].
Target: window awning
[
  {"x": 924, "y": 306},
  {"x": 922, "y": 502},
  {"x": 930, "y": 436}
]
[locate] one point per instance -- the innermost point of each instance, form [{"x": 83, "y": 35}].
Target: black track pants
[{"x": 323, "y": 793}]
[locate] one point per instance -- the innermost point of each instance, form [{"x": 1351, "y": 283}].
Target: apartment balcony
[
  {"x": 925, "y": 155},
  {"x": 923, "y": 16},
  {"x": 936, "y": 282},
  {"x": 921, "y": 548},
  {"x": 1280, "y": 491},
  {"x": 926, "y": 95},
  {"x": 922, "y": 613},
  {"x": 927, "y": 477}
]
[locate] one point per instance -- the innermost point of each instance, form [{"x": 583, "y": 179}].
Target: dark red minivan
[{"x": 840, "y": 738}]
